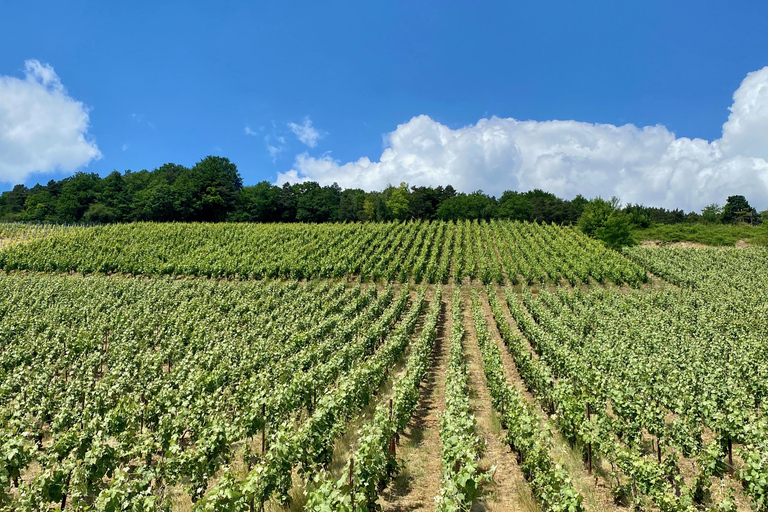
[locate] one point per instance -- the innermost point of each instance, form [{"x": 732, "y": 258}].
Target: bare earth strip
[
  {"x": 418, "y": 483},
  {"x": 508, "y": 490}
]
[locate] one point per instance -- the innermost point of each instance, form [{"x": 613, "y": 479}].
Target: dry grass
[
  {"x": 508, "y": 489},
  {"x": 418, "y": 482}
]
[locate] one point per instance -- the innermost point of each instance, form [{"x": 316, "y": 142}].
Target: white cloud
[
  {"x": 125, "y": 147},
  {"x": 648, "y": 165},
  {"x": 42, "y": 128},
  {"x": 746, "y": 131},
  {"x": 275, "y": 145},
  {"x": 305, "y": 132}
]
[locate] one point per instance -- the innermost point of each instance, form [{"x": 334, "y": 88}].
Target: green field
[
  {"x": 395, "y": 366},
  {"x": 433, "y": 252},
  {"x": 705, "y": 234}
]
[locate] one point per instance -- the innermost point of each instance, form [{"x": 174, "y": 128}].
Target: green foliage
[
  {"x": 638, "y": 216},
  {"x": 476, "y": 205},
  {"x": 515, "y": 206},
  {"x": 12, "y": 202},
  {"x": 40, "y": 207},
  {"x": 100, "y": 214},
  {"x": 646, "y": 216},
  {"x": 351, "y": 205},
  {"x": 398, "y": 204},
  {"x": 565, "y": 376},
  {"x": 754, "y": 476},
  {"x": 260, "y": 202},
  {"x": 115, "y": 390},
  {"x": 595, "y": 214},
  {"x": 491, "y": 252},
  {"x": 212, "y": 191},
  {"x": 539, "y": 206},
  {"x": 616, "y": 232},
  {"x": 196, "y": 363},
  {"x": 604, "y": 220},
  {"x": 316, "y": 203},
  {"x": 461, "y": 447},
  {"x": 76, "y": 195},
  {"x": 373, "y": 462},
  {"x": 737, "y": 209},
  {"x": 711, "y": 214},
  {"x": 549, "y": 482},
  {"x": 424, "y": 201}
]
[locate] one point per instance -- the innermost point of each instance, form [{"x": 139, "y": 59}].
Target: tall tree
[
  {"x": 114, "y": 196},
  {"x": 737, "y": 209},
  {"x": 351, "y": 205},
  {"x": 515, "y": 206},
  {"x": 317, "y": 204},
  {"x": 596, "y": 214},
  {"x": 712, "y": 213},
  {"x": 606, "y": 221},
  {"x": 210, "y": 189},
  {"x": 476, "y": 205},
  {"x": 14, "y": 201},
  {"x": 77, "y": 195},
  {"x": 259, "y": 203},
  {"x": 398, "y": 202}
]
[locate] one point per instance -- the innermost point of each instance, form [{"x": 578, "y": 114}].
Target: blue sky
[{"x": 176, "y": 81}]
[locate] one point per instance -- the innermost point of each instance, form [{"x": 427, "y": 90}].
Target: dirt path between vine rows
[
  {"x": 508, "y": 491},
  {"x": 417, "y": 484}
]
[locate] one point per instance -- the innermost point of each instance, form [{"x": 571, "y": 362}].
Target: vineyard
[
  {"x": 357, "y": 367},
  {"x": 420, "y": 252}
]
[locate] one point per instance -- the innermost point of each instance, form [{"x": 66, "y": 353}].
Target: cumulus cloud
[
  {"x": 305, "y": 132},
  {"x": 42, "y": 128},
  {"x": 648, "y": 165},
  {"x": 746, "y": 131}
]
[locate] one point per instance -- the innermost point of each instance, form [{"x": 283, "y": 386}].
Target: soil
[
  {"x": 418, "y": 483},
  {"x": 508, "y": 489}
]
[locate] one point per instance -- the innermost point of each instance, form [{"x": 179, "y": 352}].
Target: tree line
[{"x": 212, "y": 191}]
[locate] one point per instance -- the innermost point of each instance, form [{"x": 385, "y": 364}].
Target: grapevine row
[{"x": 549, "y": 482}]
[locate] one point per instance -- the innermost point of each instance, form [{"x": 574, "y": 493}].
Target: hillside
[{"x": 393, "y": 366}]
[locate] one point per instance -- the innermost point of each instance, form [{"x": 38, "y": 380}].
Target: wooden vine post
[
  {"x": 658, "y": 448},
  {"x": 64, "y": 494},
  {"x": 104, "y": 352},
  {"x": 730, "y": 455},
  {"x": 82, "y": 412},
  {"x": 352, "y": 481},
  {"x": 589, "y": 445},
  {"x": 264, "y": 429},
  {"x": 392, "y": 443}
]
